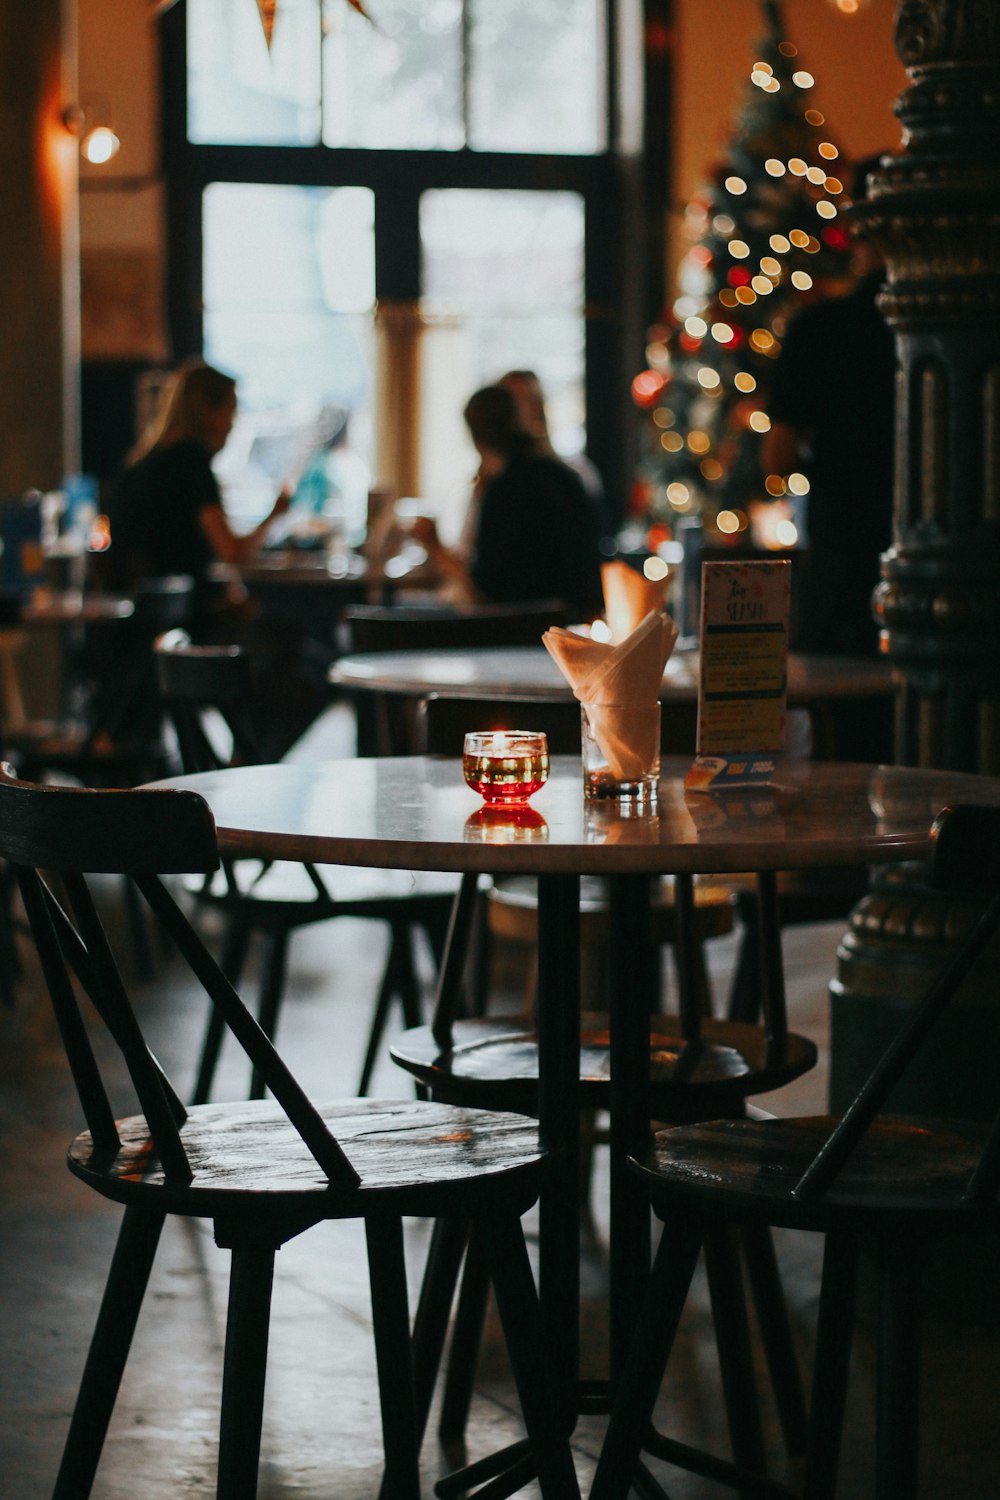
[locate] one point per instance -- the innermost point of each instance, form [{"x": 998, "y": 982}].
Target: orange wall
[{"x": 857, "y": 73}]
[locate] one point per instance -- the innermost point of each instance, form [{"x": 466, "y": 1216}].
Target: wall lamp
[{"x": 90, "y": 122}]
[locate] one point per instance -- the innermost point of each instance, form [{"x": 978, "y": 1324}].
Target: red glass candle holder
[{"x": 506, "y": 765}]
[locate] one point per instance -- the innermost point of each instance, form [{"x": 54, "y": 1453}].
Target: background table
[
  {"x": 529, "y": 671},
  {"x": 416, "y": 813}
]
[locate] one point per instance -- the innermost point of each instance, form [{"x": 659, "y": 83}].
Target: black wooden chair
[
  {"x": 204, "y": 686},
  {"x": 699, "y": 1068},
  {"x": 262, "y": 1172},
  {"x": 871, "y": 1182}
]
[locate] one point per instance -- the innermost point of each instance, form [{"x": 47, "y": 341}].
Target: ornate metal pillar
[
  {"x": 934, "y": 212},
  {"x": 935, "y": 215}
]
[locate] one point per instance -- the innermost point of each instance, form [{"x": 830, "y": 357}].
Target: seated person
[
  {"x": 535, "y": 536},
  {"x": 166, "y": 513},
  {"x": 167, "y": 517}
]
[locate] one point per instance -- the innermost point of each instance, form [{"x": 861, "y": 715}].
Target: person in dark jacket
[{"x": 535, "y": 536}]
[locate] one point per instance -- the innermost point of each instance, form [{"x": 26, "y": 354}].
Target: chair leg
[
  {"x": 517, "y": 1302},
  {"x": 244, "y": 1371},
  {"x": 835, "y": 1326},
  {"x": 655, "y": 1330},
  {"x": 398, "y": 978},
  {"x": 898, "y": 1408},
  {"x": 430, "y": 1324},
  {"x": 394, "y": 1357},
  {"x": 465, "y": 1340},
  {"x": 233, "y": 957},
  {"x": 272, "y": 991},
  {"x": 732, "y": 1335},
  {"x": 776, "y": 1335},
  {"x": 126, "y": 1286}
]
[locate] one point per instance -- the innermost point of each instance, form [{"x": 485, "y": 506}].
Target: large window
[
  {"x": 289, "y": 289},
  {"x": 369, "y": 220},
  {"x": 495, "y": 75}
]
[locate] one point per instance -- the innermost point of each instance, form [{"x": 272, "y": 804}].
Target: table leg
[
  {"x": 559, "y": 1132},
  {"x": 632, "y": 999}
]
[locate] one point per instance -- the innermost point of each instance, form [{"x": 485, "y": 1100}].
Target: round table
[
  {"x": 530, "y": 672},
  {"x": 417, "y": 813}
]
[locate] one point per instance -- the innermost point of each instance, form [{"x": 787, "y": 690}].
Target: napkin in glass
[{"x": 617, "y": 684}]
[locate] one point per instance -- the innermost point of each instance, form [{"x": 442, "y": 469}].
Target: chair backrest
[
  {"x": 444, "y": 721},
  {"x": 198, "y": 681},
  {"x": 400, "y": 628},
  {"x": 966, "y": 858},
  {"x": 77, "y": 833}
]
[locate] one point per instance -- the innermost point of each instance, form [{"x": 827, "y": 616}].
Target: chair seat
[
  {"x": 361, "y": 892},
  {"x": 246, "y": 1156},
  {"x": 902, "y": 1166},
  {"x": 494, "y": 1059}
]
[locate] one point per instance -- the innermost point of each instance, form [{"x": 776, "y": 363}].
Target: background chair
[
  {"x": 262, "y": 1173},
  {"x": 699, "y": 1067},
  {"x": 387, "y": 722},
  {"x": 207, "y": 689},
  {"x": 871, "y": 1183}
]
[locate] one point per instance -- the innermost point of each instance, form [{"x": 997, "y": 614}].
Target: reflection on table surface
[{"x": 414, "y": 813}]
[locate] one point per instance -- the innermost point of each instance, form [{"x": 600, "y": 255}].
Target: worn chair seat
[
  {"x": 411, "y": 1157},
  {"x": 492, "y": 1059},
  {"x": 901, "y": 1165}
]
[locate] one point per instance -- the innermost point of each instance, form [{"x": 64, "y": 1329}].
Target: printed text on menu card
[{"x": 744, "y": 661}]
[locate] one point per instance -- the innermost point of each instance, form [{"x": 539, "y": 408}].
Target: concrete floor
[{"x": 321, "y": 1432}]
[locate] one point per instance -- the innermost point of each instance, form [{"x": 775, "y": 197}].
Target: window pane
[
  {"x": 238, "y": 92},
  {"x": 502, "y": 290},
  {"x": 537, "y": 76},
  {"x": 289, "y": 299},
  {"x": 396, "y": 83}
]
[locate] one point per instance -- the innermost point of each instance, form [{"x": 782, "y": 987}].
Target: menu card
[{"x": 744, "y": 663}]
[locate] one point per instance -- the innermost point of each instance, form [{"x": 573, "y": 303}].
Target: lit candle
[{"x": 506, "y": 765}]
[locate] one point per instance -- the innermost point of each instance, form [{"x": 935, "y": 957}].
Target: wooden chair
[
  {"x": 870, "y": 1182},
  {"x": 262, "y": 1172},
  {"x": 699, "y": 1068},
  {"x": 386, "y": 722},
  {"x": 273, "y": 901}
]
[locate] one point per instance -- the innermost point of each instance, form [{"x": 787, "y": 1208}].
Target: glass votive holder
[
  {"x": 506, "y": 765},
  {"x": 621, "y": 751}
]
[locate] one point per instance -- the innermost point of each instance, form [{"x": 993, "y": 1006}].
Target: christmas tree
[{"x": 766, "y": 234}]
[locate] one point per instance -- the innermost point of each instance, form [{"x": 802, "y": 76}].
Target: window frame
[{"x": 624, "y": 195}]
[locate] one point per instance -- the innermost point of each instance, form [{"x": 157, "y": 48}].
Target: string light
[
  {"x": 745, "y": 382},
  {"x": 735, "y": 185},
  {"x": 679, "y": 495},
  {"x": 798, "y": 484},
  {"x": 759, "y": 421},
  {"x": 828, "y": 150},
  {"x": 801, "y": 281},
  {"x": 803, "y": 80},
  {"x": 774, "y": 167},
  {"x": 708, "y": 378},
  {"x": 826, "y": 209},
  {"x": 779, "y": 243},
  {"x": 739, "y": 248},
  {"x": 728, "y": 522}
]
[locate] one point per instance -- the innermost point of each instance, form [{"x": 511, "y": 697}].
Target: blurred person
[
  {"x": 832, "y": 410},
  {"x": 167, "y": 517},
  {"x": 526, "y": 388},
  {"x": 166, "y": 513},
  {"x": 534, "y": 535}
]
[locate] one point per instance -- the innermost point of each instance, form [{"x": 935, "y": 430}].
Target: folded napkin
[
  {"x": 628, "y": 597},
  {"x": 618, "y": 684}
]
